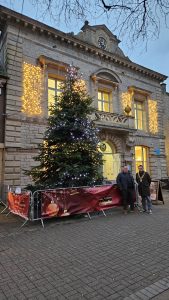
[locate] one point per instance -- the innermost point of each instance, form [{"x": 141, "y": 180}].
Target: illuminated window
[
  {"x": 140, "y": 115},
  {"x": 54, "y": 89},
  {"x": 105, "y": 101},
  {"x": 141, "y": 157}
]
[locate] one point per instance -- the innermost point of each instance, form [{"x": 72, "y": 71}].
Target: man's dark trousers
[{"x": 127, "y": 199}]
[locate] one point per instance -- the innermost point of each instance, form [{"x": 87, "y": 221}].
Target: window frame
[
  {"x": 137, "y": 110},
  {"x": 103, "y": 102},
  {"x": 56, "y": 90}
]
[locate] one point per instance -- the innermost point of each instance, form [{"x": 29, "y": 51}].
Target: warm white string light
[
  {"x": 126, "y": 98},
  {"x": 153, "y": 116},
  {"x": 32, "y": 89}
]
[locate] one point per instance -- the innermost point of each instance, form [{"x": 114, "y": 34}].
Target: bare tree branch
[
  {"x": 133, "y": 19},
  {"x": 115, "y": 6}
]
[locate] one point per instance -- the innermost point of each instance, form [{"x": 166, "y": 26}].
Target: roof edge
[{"x": 126, "y": 62}]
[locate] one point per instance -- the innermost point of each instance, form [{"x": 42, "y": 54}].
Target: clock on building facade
[{"x": 102, "y": 43}]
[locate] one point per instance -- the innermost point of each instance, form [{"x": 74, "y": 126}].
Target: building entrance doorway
[{"x": 111, "y": 161}]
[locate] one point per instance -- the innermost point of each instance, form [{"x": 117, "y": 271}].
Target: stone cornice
[
  {"x": 139, "y": 90},
  {"x": 44, "y": 60},
  {"x": 7, "y": 15}
]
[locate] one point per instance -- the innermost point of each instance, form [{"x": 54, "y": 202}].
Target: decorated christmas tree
[{"x": 69, "y": 154}]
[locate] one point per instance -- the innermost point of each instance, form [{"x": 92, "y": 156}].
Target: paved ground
[{"x": 113, "y": 257}]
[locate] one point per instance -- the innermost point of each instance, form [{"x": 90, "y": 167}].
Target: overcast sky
[{"x": 155, "y": 56}]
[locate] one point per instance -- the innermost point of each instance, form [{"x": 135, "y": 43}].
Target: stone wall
[
  {"x": 166, "y": 128},
  {"x": 1, "y": 168}
]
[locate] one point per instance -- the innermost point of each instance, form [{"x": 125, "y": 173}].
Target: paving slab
[
  {"x": 112, "y": 257},
  {"x": 163, "y": 296}
]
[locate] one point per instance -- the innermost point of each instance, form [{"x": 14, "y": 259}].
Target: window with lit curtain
[
  {"x": 141, "y": 157},
  {"x": 105, "y": 101},
  {"x": 54, "y": 89},
  {"x": 140, "y": 115}
]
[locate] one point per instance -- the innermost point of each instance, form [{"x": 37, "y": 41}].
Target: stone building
[
  {"x": 129, "y": 98},
  {"x": 166, "y": 124},
  {"x": 3, "y": 80}
]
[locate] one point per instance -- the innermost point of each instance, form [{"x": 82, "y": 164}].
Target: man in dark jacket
[
  {"x": 144, "y": 180},
  {"x": 125, "y": 182}
]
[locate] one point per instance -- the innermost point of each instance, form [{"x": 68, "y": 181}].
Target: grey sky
[{"x": 155, "y": 56}]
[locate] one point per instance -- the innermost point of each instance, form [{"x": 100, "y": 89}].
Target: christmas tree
[{"x": 69, "y": 154}]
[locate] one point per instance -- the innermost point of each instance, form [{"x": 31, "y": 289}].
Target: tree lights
[
  {"x": 69, "y": 154},
  {"x": 32, "y": 90},
  {"x": 80, "y": 86}
]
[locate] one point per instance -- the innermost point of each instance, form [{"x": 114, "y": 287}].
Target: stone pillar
[{"x": 12, "y": 167}]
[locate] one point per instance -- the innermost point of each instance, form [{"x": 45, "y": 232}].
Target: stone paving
[{"x": 112, "y": 257}]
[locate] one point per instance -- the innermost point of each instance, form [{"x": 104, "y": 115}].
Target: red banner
[
  {"x": 19, "y": 204},
  {"x": 63, "y": 202}
]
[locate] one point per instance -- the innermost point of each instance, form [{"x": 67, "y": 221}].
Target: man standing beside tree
[
  {"x": 125, "y": 182},
  {"x": 144, "y": 180}
]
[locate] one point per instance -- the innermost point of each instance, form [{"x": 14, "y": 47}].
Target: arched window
[{"x": 106, "y": 82}]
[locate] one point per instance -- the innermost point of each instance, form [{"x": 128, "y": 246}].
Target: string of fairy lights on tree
[{"x": 69, "y": 154}]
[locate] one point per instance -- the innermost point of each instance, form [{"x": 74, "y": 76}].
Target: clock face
[
  {"x": 102, "y": 147},
  {"x": 102, "y": 42}
]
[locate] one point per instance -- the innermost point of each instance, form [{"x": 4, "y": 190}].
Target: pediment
[
  {"x": 106, "y": 75},
  {"x": 101, "y": 37},
  {"x": 101, "y": 28}
]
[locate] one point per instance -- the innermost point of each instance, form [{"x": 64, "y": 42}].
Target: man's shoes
[
  {"x": 144, "y": 210},
  {"x": 132, "y": 210},
  {"x": 150, "y": 212}
]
